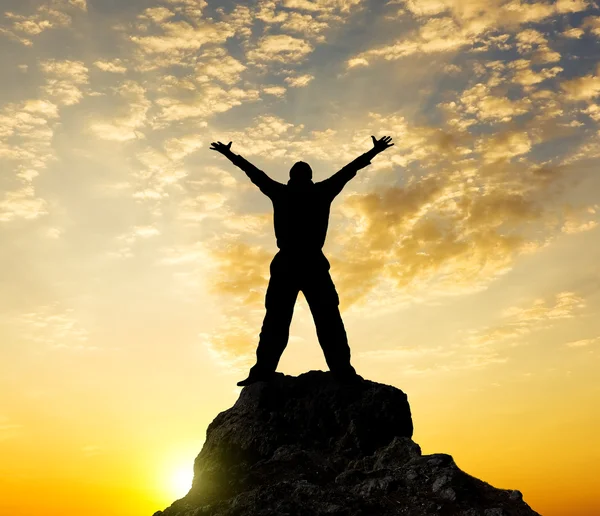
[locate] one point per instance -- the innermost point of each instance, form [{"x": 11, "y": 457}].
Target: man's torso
[{"x": 301, "y": 216}]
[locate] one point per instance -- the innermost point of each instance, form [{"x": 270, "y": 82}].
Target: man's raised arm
[
  {"x": 257, "y": 176},
  {"x": 338, "y": 180}
]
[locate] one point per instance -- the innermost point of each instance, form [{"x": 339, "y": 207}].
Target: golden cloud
[
  {"x": 586, "y": 87},
  {"x": 449, "y": 25},
  {"x": 114, "y": 66},
  {"x": 126, "y": 126},
  {"x": 281, "y": 48},
  {"x": 64, "y": 79},
  {"x": 518, "y": 322}
]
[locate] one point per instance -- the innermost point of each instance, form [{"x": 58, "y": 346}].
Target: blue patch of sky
[
  {"x": 17, "y": 84},
  {"x": 119, "y": 7},
  {"x": 580, "y": 57},
  {"x": 20, "y": 6},
  {"x": 557, "y": 148}
]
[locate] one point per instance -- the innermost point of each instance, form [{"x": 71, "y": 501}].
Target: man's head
[{"x": 301, "y": 172}]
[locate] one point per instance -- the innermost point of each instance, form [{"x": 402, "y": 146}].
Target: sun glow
[{"x": 180, "y": 480}]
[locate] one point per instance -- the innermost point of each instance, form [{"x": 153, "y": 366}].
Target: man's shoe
[{"x": 255, "y": 378}]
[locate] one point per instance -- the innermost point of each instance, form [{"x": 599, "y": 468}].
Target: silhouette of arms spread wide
[
  {"x": 257, "y": 176},
  {"x": 332, "y": 185},
  {"x": 337, "y": 181}
]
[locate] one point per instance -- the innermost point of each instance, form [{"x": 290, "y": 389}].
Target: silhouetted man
[{"x": 301, "y": 215}]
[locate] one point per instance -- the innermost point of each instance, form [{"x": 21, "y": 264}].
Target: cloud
[
  {"x": 22, "y": 204},
  {"x": 140, "y": 232},
  {"x": 129, "y": 239},
  {"x": 219, "y": 66},
  {"x": 179, "y": 148},
  {"x": 518, "y": 322},
  {"x": 583, "y": 343},
  {"x": 573, "y": 32},
  {"x": 534, "y": 42},
  {"x": 357, "y": 61},
  {"x": 177, "y": 255},
  {"x": 54, "y": 233},
  {"x": 586, "y": 87},
  {"x": 281, "y": 48},
  {"x": 161, "y": 31},
  {"x": 114, "y": 66},
  {"x": 479, "y": 101},
  {"x": 54, "y": 14},
  {"x": 593, "y": 111},
  {"x": 277, "y": 91},
  {"x": 505, "y": 146},
  {"x": 526, "y": 76},
  {"x": 54, "y": 328},
  {"x": 202, "y": 206},
  {"x": 81, "y": 4},
  {"x": 592, "y": 23},
  {"x": 240, "y": 20},
  {"x": 435, "y": 35},
  {"x": 64, "y": 79},
  {"x": 323, "y": 6},
  {"x": 233, "y": 343},
  {"x": 451, "y": 25},
  {"x": 432, "y": 360},
  {"x": 159, "y": 168},
  {"x": 300, "y": 81},
  {"x": 430, "y": 236},
  {"x": 306, "y": 25},
  {"x": 208, "y": 100},
  {"x": 266, "y": 12},
  {"x": 243, "y": 272},
  {"x": 576, "y": 222},
  {"x": 126, "y": 126},
  {"x": 240, "y": 274},
  {"x": 25, "y": 150}
]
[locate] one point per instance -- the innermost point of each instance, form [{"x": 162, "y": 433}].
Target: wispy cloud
[
  {"x": 55, "y": 14},
  {"x": 130, "y": 118},
  {"x": 452, "y": 26},
  {"x": 518, "y": 322},
  {"x": 54, "y": 328},
  {"x": 583, "y": 343}
]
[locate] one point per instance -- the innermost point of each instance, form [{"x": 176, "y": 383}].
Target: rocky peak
[{"x": 308, "y": 445}]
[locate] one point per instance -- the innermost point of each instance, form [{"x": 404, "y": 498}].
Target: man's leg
[
  {"x": 323, "y": 301},
  {"x": 280, "y": 299}
]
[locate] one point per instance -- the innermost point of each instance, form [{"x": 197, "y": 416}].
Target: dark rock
[{"x": 309, "y": 446}]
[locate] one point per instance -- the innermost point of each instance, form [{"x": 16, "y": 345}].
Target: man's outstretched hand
[
  {"x": 382, "y": 144},
  {"x": 221, "y": 147}
]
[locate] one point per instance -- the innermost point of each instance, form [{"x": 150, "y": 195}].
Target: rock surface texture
[{"x": 308, "y": 446}]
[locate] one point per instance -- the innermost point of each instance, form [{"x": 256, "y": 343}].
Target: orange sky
[{"x": 134, "y": 259}]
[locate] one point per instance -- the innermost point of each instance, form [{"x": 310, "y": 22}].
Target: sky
[{"x": 134, "y": 260}]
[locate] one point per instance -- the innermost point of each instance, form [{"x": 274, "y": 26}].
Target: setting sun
[
  {"x": 180, "y": 481},
  {"x": 134, "y": 259}
]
